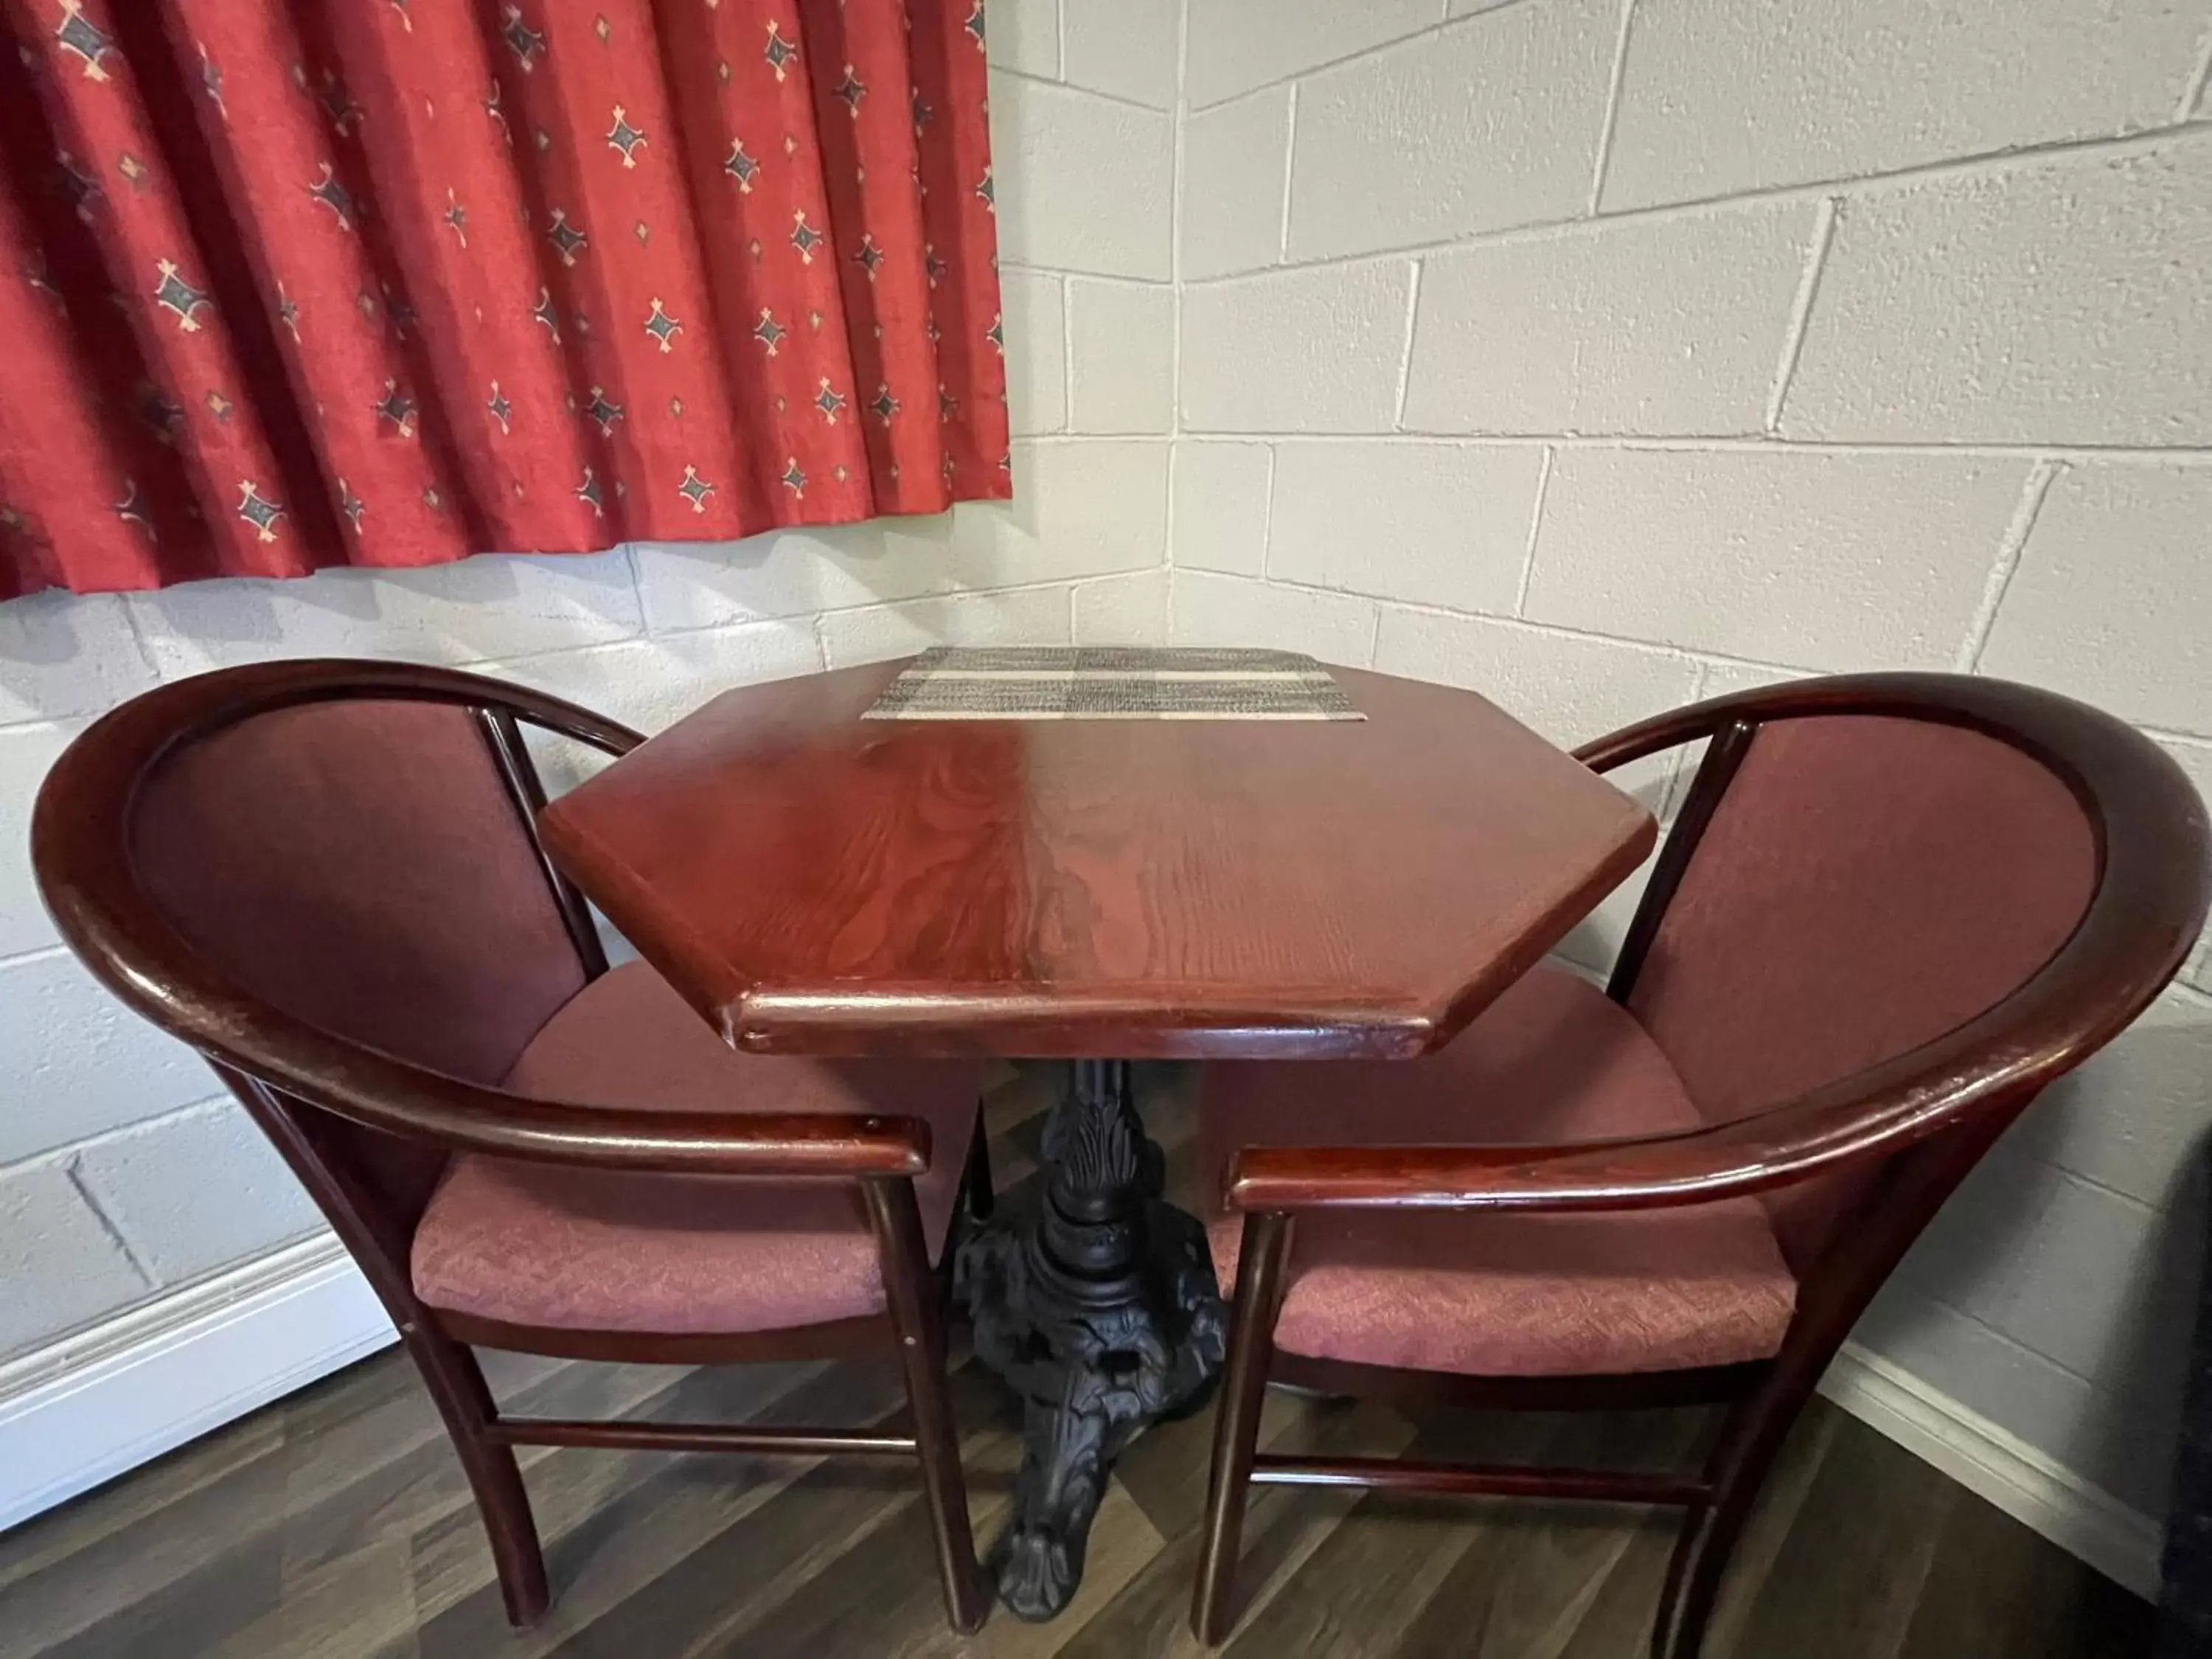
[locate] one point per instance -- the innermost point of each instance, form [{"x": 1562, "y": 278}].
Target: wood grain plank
[
  {"x": 1845, "y": 1581},
  {"x": 289, "y": 1539},
  {"x": 1994, "y": 1587}
]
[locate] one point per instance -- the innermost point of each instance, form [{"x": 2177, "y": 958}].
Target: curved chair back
[
  {"x": 1974, "y": 882},
  {"x": 301, "y": 867},
  {"x": 325, "y": 876}
]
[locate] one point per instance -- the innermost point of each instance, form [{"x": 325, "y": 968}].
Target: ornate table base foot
[{"x": 1100, "y": 1305}]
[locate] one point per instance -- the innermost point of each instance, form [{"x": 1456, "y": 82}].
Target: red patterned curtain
[{"x": 289, "y": 283}]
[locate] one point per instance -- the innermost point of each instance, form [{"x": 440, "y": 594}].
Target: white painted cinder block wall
[
  {"x": 124, "y": 1176},
  {"x": 1600, "y": 356}
]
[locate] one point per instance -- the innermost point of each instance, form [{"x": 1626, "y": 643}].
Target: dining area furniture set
[{"x": 1885, "y": 912}]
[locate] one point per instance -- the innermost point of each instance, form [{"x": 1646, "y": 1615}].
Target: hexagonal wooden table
[{"x": 1096, "y": 891}]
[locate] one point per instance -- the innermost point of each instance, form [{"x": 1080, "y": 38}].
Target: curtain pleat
[{"x": 286, "y": 284}]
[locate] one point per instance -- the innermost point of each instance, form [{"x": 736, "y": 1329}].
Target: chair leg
[
  {"x": 457, "y": 1385},
  {"x": 920, "y": 1331},
  {"x": 1709, "y": 1532},
  {"x": 1237, "y": 1430}
]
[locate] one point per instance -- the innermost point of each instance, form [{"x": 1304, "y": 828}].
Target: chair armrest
[
  {"x": 467, "y": 1117},
  {"x": 1822, "y": 1132}
]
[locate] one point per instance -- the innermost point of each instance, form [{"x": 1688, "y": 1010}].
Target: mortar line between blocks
[
  {"x": 1757, "y": 443},
  {"x": 138, "y": 639},
  {"x": 1290, "y": 155},
  {"x": 1406, "y": 346},
  {"x": 1267, "y": 517},
  {"x": 1801, "y": 310},
  {"x": 60, "y": 1157},
  {"x": 1062, "y": 84},
  {"x": 2040, "y": 477},
  {"x": 1528, "y": 625},
  {"x": 1068, "y": 356},
  {"x": 2193, "y": 95},
  {"x": 1982, "y": 161},
  {"x": 1535, "y": 525},
  {"x": 1373, "y": 48},
  {"x": 1612, "y": 104},
  {"x": 1670, "y": 786},
  {"x": 1059, "y": 41},
  {"x": 107, "y": 1224},
  {"x": 2002, "y": 1335},
  {"x": 1176, "y": 186}
]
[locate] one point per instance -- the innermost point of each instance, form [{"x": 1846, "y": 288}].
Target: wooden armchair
[
  {"x": 1892, "y": 909},
  {"x": 326, "y": 876}
]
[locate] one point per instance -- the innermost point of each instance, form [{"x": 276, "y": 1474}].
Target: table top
[{"x": 814, "y": 882}]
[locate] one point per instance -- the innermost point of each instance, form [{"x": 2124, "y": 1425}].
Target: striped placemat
[{"x": 1112, "y": 682}]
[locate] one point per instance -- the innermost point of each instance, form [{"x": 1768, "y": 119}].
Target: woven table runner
[{"x": 1112, "y": 682}]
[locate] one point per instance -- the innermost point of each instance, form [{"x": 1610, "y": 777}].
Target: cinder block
[
  {"x": 1296, "y": 350},
  {"x": 1221, "y": 505},
  {"x": 1491, "y": 124},
  {"x": 1029, "y": 615},
  {"x": 1025, "y": 35},
  {"x": 1085, "y": 507},
  {"x": 197, "y": 1191},
  {"x": 2135, "y": 1117},
  {"x": 1121, "y": 339},
  {"x": 67, "y": 653},
  {"x": 2059, "y": 303},
  {"x": 1125, "y": 47},
  {"x": 1235, "y": 162},
  {"x": 791, "y": 573},
  {"x": 1131, "y": 610},
  {"x": 2059, "y": 1265},
  {"x": 2110, "y": 596},
  {"x": 1563, "y": 687},
  {"x": 27, "y": 753},
  {"x": 1211, "y": 610},
  {"x": 1727, "y": 95},
  {"x": 75, "y": 1062},
  {"x": 1434, "y": 524},
  {"x": 1234, "y": 46},
  {"x": 1036, "y": 352},
  {"x": 1083, "y": 183},
  {"x": 493, "y": 605},
  {"x": 1663, "y": 327},
  {"x": 62, "y": 1270},
  {"x": 1836, "y": 562},
  {"x": 651, "y": 684}
]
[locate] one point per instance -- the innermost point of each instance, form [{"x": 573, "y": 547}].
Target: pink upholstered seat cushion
[
  {"x": 540, "y": 1244},
  {"x": 1551, "y": 1060}
]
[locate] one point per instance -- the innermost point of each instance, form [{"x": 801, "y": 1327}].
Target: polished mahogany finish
[
  {"x": 1477, "y": 1479},
  {"x": 314, "y": 1092},
  {"x": 1916, "y": 1123},
  {"x": 817, "y": 882},
  {"x": 696, "y": 1437},
  {"x": 1096, "y": 891}
]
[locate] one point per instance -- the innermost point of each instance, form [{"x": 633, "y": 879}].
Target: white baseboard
[
  {"x": 2085, "y": 1521},
  {"x": 85, "y": 1409}
]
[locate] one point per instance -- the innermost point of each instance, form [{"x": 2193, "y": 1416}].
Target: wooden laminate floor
[{"x": 336, "y": 1525}]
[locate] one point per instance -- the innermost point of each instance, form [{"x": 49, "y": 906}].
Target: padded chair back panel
[
  {"x": 1866, "y": 885},
  {"x": 360, "y": 866}
]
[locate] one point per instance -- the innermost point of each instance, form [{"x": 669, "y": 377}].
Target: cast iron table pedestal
[{"x": 1098, "y": 1303}]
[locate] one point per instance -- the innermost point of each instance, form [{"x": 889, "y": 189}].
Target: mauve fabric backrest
[
  {"x": 360, "y": 866},
  {"x": 1866, "y": 885}
]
